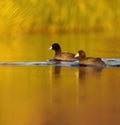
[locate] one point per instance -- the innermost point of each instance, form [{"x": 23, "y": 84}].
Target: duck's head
[
  {"x": 55, "y": 47},
  {"x": 80, "y": 54}
]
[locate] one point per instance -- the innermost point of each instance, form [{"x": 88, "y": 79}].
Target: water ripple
[{"x": 108, "y": 61}]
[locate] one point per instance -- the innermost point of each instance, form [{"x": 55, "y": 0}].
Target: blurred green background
[{"x": 53, "y": 16}]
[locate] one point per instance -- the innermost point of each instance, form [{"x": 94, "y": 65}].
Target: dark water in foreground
[{"x": 59, "y": 95}]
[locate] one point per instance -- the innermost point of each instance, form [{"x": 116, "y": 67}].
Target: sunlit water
[{"x": 33, "y": 92}]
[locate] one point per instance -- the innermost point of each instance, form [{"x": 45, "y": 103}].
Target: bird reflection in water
[
  {"x": 55, "y": 90},
  {"x": 86, "y": 75},
  {"x": 82, "y": 75},
  {"x": 55, "y": 71},
  {"x": 84, "y": 72}
]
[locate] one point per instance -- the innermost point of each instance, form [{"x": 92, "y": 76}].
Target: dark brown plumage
[
  {"x": 88, "y": 61},
  {"x": 62, "y": 56}
]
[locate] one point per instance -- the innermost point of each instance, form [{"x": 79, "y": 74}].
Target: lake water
[{"x": 59, "y": 95}]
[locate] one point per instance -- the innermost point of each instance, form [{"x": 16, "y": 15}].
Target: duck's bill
[
  {"x": 77, "y": 55},
  {"x": 50, "y": 48}
]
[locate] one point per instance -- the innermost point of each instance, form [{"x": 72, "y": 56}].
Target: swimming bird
[
  {"x": 88, "y": 61},
  {"x": 62, "y": 56}
]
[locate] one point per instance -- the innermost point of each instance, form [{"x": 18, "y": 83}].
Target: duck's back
[
  {"x": 65, "y": 56},
  {"x": 92, "y": 62}
]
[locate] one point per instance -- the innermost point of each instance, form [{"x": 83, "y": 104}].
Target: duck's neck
[
  {"x": 80, "y": 58},
  {"x": 58, "y": 51}
]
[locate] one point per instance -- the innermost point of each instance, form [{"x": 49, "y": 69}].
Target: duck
[
  {"x": 62, "y": 56},
  {"x": 88, "y": 61}
]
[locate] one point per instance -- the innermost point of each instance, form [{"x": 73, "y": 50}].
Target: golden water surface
[{"x": 54, "y": 95}]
